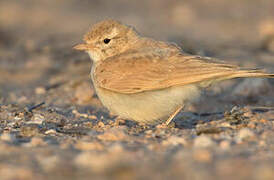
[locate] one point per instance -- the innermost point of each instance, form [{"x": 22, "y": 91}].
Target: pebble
[
  {"x": 51, "y": 131},
  {"x": 101, "y": 124},
  {"x": 36, "y": 119},
  {"x": 40, "y": 90},
  {"x": 77, "y": 114}
]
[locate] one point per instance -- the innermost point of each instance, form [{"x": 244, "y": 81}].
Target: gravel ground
[{"x": 52, "y": 125}]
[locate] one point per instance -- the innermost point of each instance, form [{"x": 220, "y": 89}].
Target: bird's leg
[{"x": 173, "y": 115}]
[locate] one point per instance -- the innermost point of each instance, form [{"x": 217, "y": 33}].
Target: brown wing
[{"x": 137, "y": 73}]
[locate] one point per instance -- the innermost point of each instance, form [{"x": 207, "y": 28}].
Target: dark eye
[{"x": 106, "y": 41}]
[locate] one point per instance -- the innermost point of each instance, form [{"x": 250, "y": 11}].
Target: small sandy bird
[{"x": 149, "y": 81}]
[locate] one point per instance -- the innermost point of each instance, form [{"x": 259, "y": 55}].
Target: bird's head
[{"x": 108, "y": 38}]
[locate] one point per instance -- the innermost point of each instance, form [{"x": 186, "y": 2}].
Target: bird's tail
[
  {"x": 252, "y": 73},
  {"x": 236, "y": 73}
]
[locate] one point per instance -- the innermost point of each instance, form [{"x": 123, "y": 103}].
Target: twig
[{"x": 35, "y": 106}]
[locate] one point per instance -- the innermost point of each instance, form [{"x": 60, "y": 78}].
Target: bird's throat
[{"x": 95, "y": 57}]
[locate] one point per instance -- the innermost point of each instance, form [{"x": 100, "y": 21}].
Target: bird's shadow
[
  {"x": 184, "y": 120},
  {"x": 189, "y": 120}
]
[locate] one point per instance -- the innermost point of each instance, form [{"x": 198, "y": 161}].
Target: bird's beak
[{"x": 82, "y": 47}]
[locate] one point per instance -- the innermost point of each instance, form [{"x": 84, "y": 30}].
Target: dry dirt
[{"x": 52, "y": 125}]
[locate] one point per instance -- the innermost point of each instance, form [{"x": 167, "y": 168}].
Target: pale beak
[{"x": 82, "y": 47}]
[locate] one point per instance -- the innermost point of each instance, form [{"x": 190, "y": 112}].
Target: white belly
[{"x": 150, "y": 106}]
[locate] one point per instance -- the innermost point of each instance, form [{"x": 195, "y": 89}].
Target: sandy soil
[{"x": 52, "y": 125}]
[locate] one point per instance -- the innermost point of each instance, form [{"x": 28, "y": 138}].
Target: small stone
[
  {"x": 244, "y": 134},
  {"x": 203, "y": 141},
  {"x": 77, "y": 114},
  {"x": 162, "y": 126},
  {"x": 36, "y": 119},
  {"x": 248, "y": 113},
  {"x": 225, "y": 124},
  {"x": 88, "y": 124},
  {"x": 101, "y": 124},
  {"x": 40, "y": 90},
  {"x": 92, "y": 117},
  {"x": 51, "y": 131}
]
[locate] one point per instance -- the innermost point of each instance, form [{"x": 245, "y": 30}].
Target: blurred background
[
  {"x": 38, "y": 65},
  {"x": 36, "y": 37}
]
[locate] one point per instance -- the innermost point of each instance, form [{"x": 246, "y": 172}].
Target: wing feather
[{"x": 133, "y": 74}]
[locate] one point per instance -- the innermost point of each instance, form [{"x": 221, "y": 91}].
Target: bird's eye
[{"x": 106, "y": 41}]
